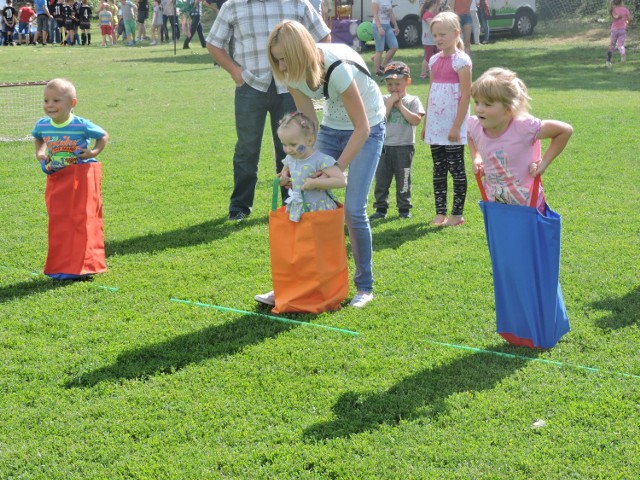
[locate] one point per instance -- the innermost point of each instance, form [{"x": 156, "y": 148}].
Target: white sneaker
[
  {"x": 266, "y": 298},
  {"x": 361, "y": 299},
  {"x": 623, "y": 58},
  {"x": 608, "y": 64}
]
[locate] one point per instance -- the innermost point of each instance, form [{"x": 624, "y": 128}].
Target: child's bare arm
[
  {"x": 97, "y": 148},
  {"x": 478, "y": 166},
  {"x": 284, "y": 176},
  {"x": 464, "y": 74},
  {"x": 332, "y": 178},
  {"x": 41, "y": 149},
  {"x": 411, "y": 117},
  {"x": 559, "y": 133}
]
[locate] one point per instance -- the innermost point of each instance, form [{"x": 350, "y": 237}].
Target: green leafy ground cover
[{"x": 121, "y": 382}]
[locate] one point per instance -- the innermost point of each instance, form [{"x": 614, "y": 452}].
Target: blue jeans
[
  {"x": 361, "y": 172},
  {"x": 484, "y": 23},
  {"x": 389, "y": 37},
  {"x": 251, "y": 108}
]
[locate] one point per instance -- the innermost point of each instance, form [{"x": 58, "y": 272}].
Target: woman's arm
[
  {"x": 332, "y": 178},
  {"x": 464, "y": 74},
  {"x": 354, "y": 107}
]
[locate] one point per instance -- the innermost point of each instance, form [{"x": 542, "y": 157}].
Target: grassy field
[{"x": 112, "y": 379}]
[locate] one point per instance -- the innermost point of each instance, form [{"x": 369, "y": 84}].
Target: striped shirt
[{"x": 247, "y": 24}]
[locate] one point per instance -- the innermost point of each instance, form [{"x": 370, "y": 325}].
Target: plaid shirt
[{"x": 246, "y": 25}]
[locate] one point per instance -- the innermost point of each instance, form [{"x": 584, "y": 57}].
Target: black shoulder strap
[{"x": 332, "y": 67}]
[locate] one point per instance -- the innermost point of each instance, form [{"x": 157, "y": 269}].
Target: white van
[{"x": 515, "y": 16}]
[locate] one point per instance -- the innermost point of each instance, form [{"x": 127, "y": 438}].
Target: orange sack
[
  {"x": 76, "y": 231},
  {"x": 308, "y": 261}
]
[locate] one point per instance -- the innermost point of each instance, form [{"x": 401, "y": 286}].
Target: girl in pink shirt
[
  {"x": 445, "y": 127},
  {"x": 621, "y": 18},
  {"x": 504, "y": 140}
]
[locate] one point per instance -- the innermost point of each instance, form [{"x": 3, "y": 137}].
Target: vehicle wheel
[
  {"x": 410, "y": 33},
  {"x": 523, "y": 25}
]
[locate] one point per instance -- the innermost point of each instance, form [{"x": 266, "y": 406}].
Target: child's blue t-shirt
[{"x": 63, "y": 140}]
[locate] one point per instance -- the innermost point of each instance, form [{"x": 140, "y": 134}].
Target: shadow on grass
[
  {"x": 30, "y": 287},
  {"x": 360, "y": 412},
  {"x": 394, "y": 238},
  {"x": 204, "y": 232},
  {"x": 173, "y": 355},
  {"x": 625, "y": 311},
  {"x": 205, "y": 58}
]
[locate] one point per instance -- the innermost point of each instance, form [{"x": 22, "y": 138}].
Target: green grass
[{"x": 98, "y": 383}]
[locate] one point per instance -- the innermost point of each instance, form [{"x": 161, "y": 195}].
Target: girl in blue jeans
[{"x": 352, "y": 129}]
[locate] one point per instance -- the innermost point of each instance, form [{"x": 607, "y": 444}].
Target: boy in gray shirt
[{"x": 404, "y": 113}]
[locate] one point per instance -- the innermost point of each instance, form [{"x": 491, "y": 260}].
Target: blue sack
[{"x": 524, "y": 246}]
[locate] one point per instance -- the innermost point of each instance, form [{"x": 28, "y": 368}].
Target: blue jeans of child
[
  {"x": 251, "y": 107},
  {"x": 361, "y": 172}
]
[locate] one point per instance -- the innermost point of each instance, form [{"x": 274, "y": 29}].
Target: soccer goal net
[{"x": 21, "y": 106}]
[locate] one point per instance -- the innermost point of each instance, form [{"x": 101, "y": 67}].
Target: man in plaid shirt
[{"x": 243, "y": 26}]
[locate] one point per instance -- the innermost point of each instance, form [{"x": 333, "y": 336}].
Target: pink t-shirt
[
  {"x": 506, "y": 159},
  {"x": 621, "y": 22}
]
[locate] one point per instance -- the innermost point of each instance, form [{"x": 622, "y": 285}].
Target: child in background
[
  {"x": 106, "y": 24},
  {"x": 69, "y": 22},
  {"x": 26, "y": 14},
  {"x": 156, "y": 22},
  {"x": 115, "y": 21},
  {"x": 428, "y": 10},
  {"x": 129, "y": 12},
  {"x": 504, "y": 139},
  {"x": 403, "y": 113},
  {"x": 57, "y": 33},
  {"x": 298, "y": 134},
  {"x": 84, "y": 18},
  {"x": 63, "y": 139},
  {"x": 621, "y": 18},
  {"x": 9, "y": 19},
  {"x": 447, "y": 113}
]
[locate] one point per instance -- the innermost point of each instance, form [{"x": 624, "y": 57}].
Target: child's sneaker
[
  {"x": 267, "y": 298},
  {"x": 361, "y": 299},
  {"x": 623, "y": 58},
  {"x": 404, "y": 214},
  {"x": 378, "y": 215},
  {"x": 608, "y": 64},
  {"x": 153, "y": 43}
]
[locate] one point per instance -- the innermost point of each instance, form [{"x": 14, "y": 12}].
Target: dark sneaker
[
  {"x": 237, "y": 216},
  {"x": 378, "y": 216},
  {"x": 404, "y": 214}
]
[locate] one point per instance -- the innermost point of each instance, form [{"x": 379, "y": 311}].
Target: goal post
[{"x": 21, "y": 107}]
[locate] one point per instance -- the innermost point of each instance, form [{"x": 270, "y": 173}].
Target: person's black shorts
[
  {"x": 85, "y": 25},
  {"x": 43, "y": 23},
  {"x": 69, "y": 24},
  {"x": 142, "y": 16}
]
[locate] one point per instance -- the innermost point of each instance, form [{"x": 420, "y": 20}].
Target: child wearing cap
[{"x": 404, "y": 112}]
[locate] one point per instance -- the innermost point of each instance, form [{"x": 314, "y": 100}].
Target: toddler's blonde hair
[
  {"x": 307, "y": 127},
  {"x": 451, "y": 21},
  {"x": 300, "y": 54},
  {"x": 63, "y": 86},
  {"x": 499, "y": 85}
]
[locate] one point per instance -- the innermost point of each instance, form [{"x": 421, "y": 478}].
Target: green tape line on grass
[
  {"x": 532, "y": 359},
  {"x": 271, "y": 317}
]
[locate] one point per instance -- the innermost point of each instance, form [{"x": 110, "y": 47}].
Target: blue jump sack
[{"x": 524, "y": 246}]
